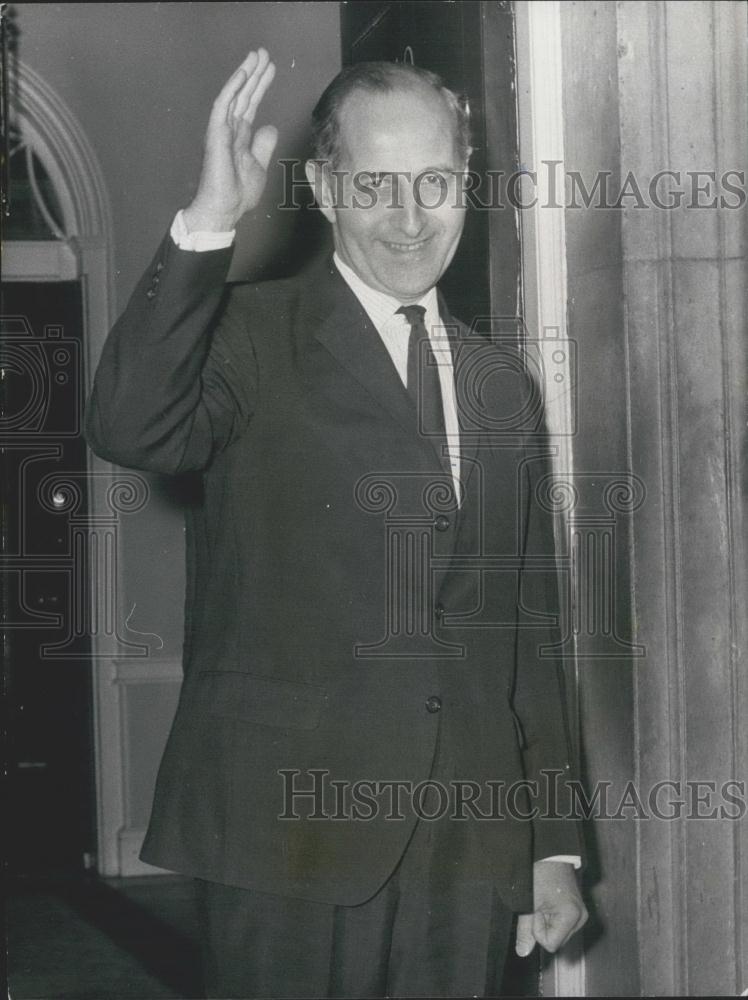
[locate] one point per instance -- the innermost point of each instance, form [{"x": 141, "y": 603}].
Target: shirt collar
[{"x": 381, "y": 307}]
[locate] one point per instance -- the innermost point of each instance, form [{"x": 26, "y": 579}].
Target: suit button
[
  {"x": 433, "y": 704},
  {"x": 150, "y": 293},
  {"x": 441, "y": 523},
  {"x": 160, "y": 266},
  {"x": 439, "y": 610}
]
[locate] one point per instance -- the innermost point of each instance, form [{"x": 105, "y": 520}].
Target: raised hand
[{"x": 236, "y": 161}]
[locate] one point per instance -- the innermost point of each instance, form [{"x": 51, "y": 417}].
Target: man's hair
[{"x": 382, "y": 78}]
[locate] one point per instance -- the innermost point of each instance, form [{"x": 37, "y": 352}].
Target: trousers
[{"x": 436, "y": 928}]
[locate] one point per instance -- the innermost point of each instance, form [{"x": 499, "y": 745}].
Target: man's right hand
[{"x": 235, "y": 163}]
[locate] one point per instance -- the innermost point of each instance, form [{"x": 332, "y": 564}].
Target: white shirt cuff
[
  {"x": 199, "y": 241},
  {"x": 569, "y": 859}
]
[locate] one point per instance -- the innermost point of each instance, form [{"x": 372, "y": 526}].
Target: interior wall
[{"x": 141, "y": 78}]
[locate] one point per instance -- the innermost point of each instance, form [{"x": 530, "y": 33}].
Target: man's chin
[
  {"x": 408, "y": 288},
  {"x": 404, "y": 280}
]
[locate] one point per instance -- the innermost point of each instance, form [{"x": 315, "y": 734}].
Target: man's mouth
[{"x": 406, "y": 248}]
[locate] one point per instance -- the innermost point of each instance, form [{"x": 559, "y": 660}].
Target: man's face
[{"x": 394, "y": 203}]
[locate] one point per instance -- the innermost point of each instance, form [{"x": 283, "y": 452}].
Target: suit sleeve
[
  {"x": 177, "y": 377},
  {"x": 539, "y": 697}
]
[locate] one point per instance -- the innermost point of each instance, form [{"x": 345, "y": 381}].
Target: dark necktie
[{"x": 423, "y": 380}]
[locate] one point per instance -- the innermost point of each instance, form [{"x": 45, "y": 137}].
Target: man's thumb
[{"x": 525, "y": 937}]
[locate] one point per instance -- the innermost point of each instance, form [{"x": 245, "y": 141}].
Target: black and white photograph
[{"x": 373, "y": 445}]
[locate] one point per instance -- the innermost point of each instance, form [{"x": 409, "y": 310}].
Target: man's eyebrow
[{"x": 444, "y": 168}]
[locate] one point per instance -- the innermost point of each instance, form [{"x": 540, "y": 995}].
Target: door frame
[
  {"x": 84, "y": 254},
  {"x": 544, "y": 280}
]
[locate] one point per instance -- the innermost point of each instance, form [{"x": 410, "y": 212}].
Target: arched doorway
[{"x": 55, "y": 315}]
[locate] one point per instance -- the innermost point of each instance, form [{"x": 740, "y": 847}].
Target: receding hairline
[
  {"x": 408, "y": 90},
  {"x": 406, "y": 87},
  {"x": 386, "y": 79}
]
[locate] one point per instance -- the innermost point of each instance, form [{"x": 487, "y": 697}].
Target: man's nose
[{"x": 411, "y": 215}]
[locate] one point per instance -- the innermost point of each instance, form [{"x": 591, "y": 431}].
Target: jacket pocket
[{"x": 267, "y": 701}]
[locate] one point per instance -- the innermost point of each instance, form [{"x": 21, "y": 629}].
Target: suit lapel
[{"x": 338, "y": 321}]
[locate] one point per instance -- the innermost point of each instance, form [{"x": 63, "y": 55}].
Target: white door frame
[
  {"x": 85, "y": 253},
  {"x": 543, "y": 249}
]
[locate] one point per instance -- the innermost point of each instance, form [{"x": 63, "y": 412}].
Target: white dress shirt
[{"x": 394, "y": 330}]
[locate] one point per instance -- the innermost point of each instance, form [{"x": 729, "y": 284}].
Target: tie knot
[{"x": 413, "y": 314}]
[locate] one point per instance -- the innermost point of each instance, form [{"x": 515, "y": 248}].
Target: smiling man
[
  {"x": 404, "y": 146},
  {"x": 370, "y": 574}
]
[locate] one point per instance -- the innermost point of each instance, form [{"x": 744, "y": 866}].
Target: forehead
[{"x": 397, "y": 130}]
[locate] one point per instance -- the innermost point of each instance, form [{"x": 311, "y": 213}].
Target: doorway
[
  {"x": 55, "y": 311},
  {"x": 477, "y": 63},
  {"x": 47, "y": 674}
]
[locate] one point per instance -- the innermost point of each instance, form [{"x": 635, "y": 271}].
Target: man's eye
[
  {"x": 432, "y": 178},
  {"x": 378, "y": 180}
]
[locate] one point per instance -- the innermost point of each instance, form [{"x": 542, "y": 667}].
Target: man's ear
[{"x": 320, "y": 185}]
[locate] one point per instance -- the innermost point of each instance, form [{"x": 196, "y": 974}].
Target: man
[{"x": 363, "y": 574}]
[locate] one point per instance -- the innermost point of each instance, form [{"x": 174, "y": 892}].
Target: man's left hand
[{"x": 559, "y": 910}]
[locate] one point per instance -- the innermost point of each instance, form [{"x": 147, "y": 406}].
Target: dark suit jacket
[{"x": 333, "y": 586}]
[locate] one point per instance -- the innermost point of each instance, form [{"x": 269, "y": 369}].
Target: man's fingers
[
  {"x": 225, "y": 104},
  {"x": 242, "y": 135},
  {"x": 222, "y": 104},
  {"x": 250, "y": 63},
  {"x": 525, "y": 938},
  {"x": 234, "y": 85},
  {"x": 259, "y": 92},
  {"x": 546, "y": 930},
  {"x": 254, "y": 76},
  {"x": 549, "y": 929},
  {"x": 552, "y": 929},
  {"x": 263, "y": 145}
]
